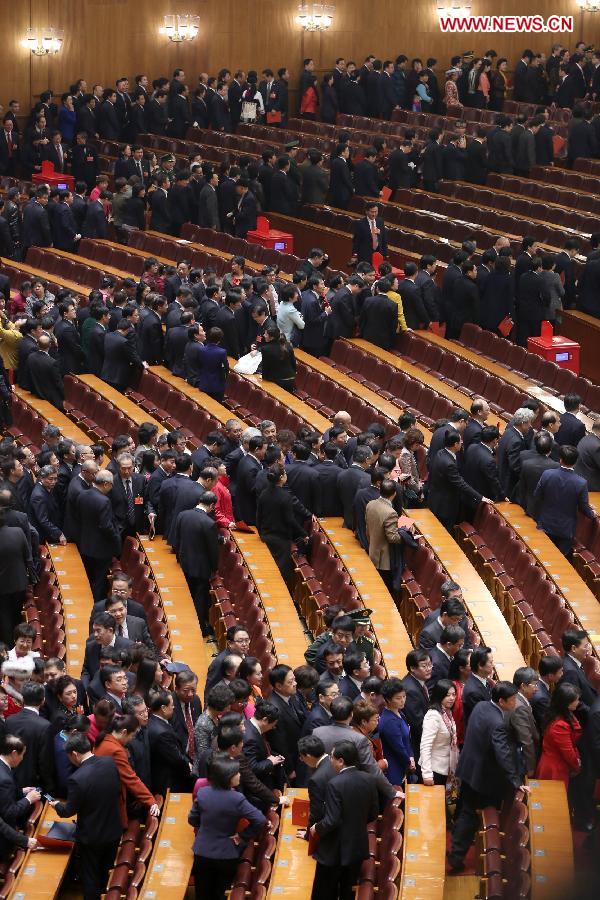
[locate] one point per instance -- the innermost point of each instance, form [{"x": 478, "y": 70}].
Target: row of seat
[
  {"x": 44, "y": 610},
  {"x": 135, "y": 851},
  {"x": 578, "y": 181},
  {"x": 73, "y": 269},
  {"x": 586, "y": 552},
  {"x": 226, "y": 243},
  {"x": 502, "y": 851},
  {"x": 23, "y": 871},
  {"x": 253, "y": 400},
  {"x": 576, "y": 200},
  {"x": 172, "y": 409},
  {"x": 588, "y": 166},
  {"x": 101, "y": 419},
  {"x": 17, "y": 272},
  {"x": 537, "y": 370}
]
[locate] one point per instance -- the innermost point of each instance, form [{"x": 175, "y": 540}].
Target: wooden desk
[
  {"x": 460, "y": 399},
  {"x": 120, "y": 401},
  {"x": 578, "y": 597},
  {"x": 386, "y": 407},
  {"x": 392, "y": 637},
  {"x": 43, "y": 870},
  {"x": 82, "y": 290},
  {"x": 187, "y": 643},
  {"x": 170, "y": 866},
  {"x": 96, "y": 264},
  {"x": 77, "y": 601},
  {"x": 302, "y": 410},
  {"x": 293, "y": 869},
  {"x": 552, "y": 869},
  {"x": 594, "y": 498},
  {"x": 486, "y": 615},
  {"x": 495, "y": 368},
  {"x": 289, "y": 638},
  {"x": 585, "y": 329},
  {"x": 53, "y": 416},
  {"x": 215, "y": 409},
  {"x": 424, "y": 849}
]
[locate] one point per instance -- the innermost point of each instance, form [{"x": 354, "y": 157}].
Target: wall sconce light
[
  {"x": 588, "y": 5},
  {"x": 44, "y": 41},
  {"x": 457, "y": 8},
  {"x": 315, "y": 16},
  {"x": 181, "y": 28}
]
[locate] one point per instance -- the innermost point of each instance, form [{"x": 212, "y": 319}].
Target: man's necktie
[
  {"x": 140, "y": 170},
  {"x": 9, "y": 143},
  {"x": 120, "y": 630},
  {"x": 189, "y": 724},
  {"x": 425, "y": 691},
  {"x": 130, "y": 503},
  {"x": 374, "y": 237}
]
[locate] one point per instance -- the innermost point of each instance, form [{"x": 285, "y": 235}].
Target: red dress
[{"x": 560, "y": 758}]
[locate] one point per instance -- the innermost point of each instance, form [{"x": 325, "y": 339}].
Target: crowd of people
[{"x": 351, "y": 737}]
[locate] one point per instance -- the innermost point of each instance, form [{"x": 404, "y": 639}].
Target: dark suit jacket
[
  {"x": 70, "y": 354},
  {"x": 450, "y": 496},
  {"x": 156, "y": 117},
  {"x": 560, "y": 494},
  {"x": 415, "y": 708},
  {"x": 574, "y": 674},
  {"x": 208, "y": 208},
  {"x": 244, "y": 215},
  {"x": 481, "y": 471},
  {"x": 304, "y": 483},
  {"x": 109, "y": 125},
  {"x": 178, "y": 721},
  {"x": 220, "y": 115},
  {"x": 169, "y": 764},
  {"x": 415, "y": 312},
  {"x": 91, "y": 659},
  {"x": 379, "y": 321},
  {"x": 37, "y": 768},
  {"x": 588, "y": 464},
  {"x": 44, "y": 514},
  {"x": 487, "y": 761},
  {"x": 317, "y": 788},
  {"x": 121, "y": 360},
  {"x": 340, "y": 183},
  {"x": 98, "y": 820},
  {"x": 315, "y": 184},
  {"x": 348, "y": 483},
  {"x": 46, "y": 380},
  {"x": 160, "y": 219},
  {"x": 508, "y": 455},
  {"x": 119, "y": 504},
  {"x": 151, "y": 339},
  {"x": 362, "y": 239},
  {"x": 531, "y": 472},
  {"x": 245, "y": 497},
  {"x": 476, "y": 167},
  {"x": 36, "y": 226},
  {"x": 284, "y": 738},
  {"x": 189, "y": 494},
  {"x": 64, "y": 227},
  {"x": 571, "y": 430},
  {"x": 330, "y": 500},
  {"x": 196, "y": 543},
  {"x": 284, "y": 194},
  {"x": 351, "y": 802},
  {"x": 98, "y": 536},
  {"x": 14, "y": 807},
  {"x": 473, "y": 693},
  {"x": 365, "y": 179},
  {"x": 95, "y": 224}
]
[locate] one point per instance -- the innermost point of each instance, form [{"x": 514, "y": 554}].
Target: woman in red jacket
[
  {"x": 560, "y": 758},
  {"x": 112, "y": 742}
]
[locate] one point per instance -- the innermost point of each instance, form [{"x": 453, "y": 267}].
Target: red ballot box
[
  {"x": 54, "y": 179},
  {"x": 269, "y": 237},
  {"x": 555, "y": 348}
]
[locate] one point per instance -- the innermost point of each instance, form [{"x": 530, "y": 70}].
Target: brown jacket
[{"x": 382, "y": 530}]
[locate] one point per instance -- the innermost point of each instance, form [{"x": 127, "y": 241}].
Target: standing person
[
  {"x": 278, "y": 360},
  {"x": 560, "y": 759},
  {"x": 15, "y": 558},
  {"x": 350, "y": 804},
  {"x": 522, "y": 720},
  {"x": 486, "y": 768},
  {"x": 382, "y": 532},
  {"x": 560, "y": 494},
  {"x": 196, "y": 545},
  {"x": 99, "y": 539},
  {"x": 394, "y": 732},
  {"x": 450, "y": 497},
  {"x": 341, "y": 187},
  {"x": 93, "y": 795},
  {"x": 439, "y": 742},
  {"x": 170, "y": 766},
  {"x": 216, "y": 813},
  {"x": 14, "y": 806},
  {"x": 36, "y": 734},
  {"x": 276, "y": 522},
  {"x": 112, "y": 743}
]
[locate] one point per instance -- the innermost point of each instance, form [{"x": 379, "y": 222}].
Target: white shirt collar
[
  {"x": 32, "y": 709},
  {"x": 576, "y": 661}
]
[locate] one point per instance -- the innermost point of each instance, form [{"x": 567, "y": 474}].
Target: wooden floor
[
  {"x": 424, "y": 850},
  {"x": 582, "y": 602},
  {"x": 293, "y": 869},
  {"x": 486, "y": 615},
  {"x": 461, "y": 887},
  {"x": 392, "y": 637}
]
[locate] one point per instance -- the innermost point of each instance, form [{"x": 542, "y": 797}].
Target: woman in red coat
[
  {"x": 560, "y": 758},
  {"x": 112, "y": 742}
]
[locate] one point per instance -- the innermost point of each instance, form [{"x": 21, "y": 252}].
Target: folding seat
[
  {"x": 563, "y": 381},
  {"x": 447, "y": 367},
  {"x": 477, "y": 382},
  {"x": 509, "y": 399},
  {"x": 462, "y": 373}
]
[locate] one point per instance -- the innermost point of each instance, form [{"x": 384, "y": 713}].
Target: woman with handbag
[
  {"x": 407, "y": 464},
  {"x": 439, "y": 743}
]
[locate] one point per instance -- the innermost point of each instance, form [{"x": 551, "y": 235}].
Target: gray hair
[
  {"x": 266, "y": 423},
  {"x": 104, "y": 476},
  {"x": 46, "y": 471},
  {"x": 524, "y": 675},
  {"x": 523, "y": 416},
  {"x": 249, "y": 433},
  {"x": 89, "y": 465},
  {"x": 124, "y": 458}
]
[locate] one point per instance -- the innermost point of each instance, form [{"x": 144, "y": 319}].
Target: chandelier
[{"x": 315, "y": 16}]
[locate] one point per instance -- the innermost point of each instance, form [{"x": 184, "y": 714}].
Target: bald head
[
  {"x": 89, "y": 470},
  {"x": 44, "y": 342},
  {"x": 342, "y": 418}
]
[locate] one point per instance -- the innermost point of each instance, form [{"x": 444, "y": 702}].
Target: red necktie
[
  {"x": 9, "y": 143},
  {"x": 374, "y": 236},
  {"x": 189, "y": 724}
]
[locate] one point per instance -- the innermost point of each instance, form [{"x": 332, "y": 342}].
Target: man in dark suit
[
  {"x": 246, "y": 210},
  {"x": 9, "y": 147},
  {"x": 416, "y": 314},
  {"x": 44, "y": 375},
  {"x": 509, "y": 450},
  {"x": 315, "y": 179},
  {"x": 109, "y": 125},
  {"x": 351, "y": 802},
  {"x": 96, "y": 337},
  {"x": 486, "y": 767},
  {"x": 44, "y": 509},
  {"x": 450, "y": 641},
  {"x": 533, "y": 302},
  {"x": 151, "y": 335},
  {"x": 312, "y": 755},
  {"x": 340, "y": 180},
  {"x": 267, "y": 766},
  {"x": 315, "y": 315},
  {"x": 189, "y": 493},
  {"x": 480, "y": 467},
  {"x": 369, "y": 236},
  {"x": 284, "y": 738},
  {"x": 70, "y": 354},
  {"x": 208, "y": 205},
  {"x": 365, "y": 175},
  {"x": 351, "y": 480},
  {"x": 36, "y": 225},
  {"x": 356, "y": 669},
  {"x": 284, "y": 193},
  {"x": 103, "y": 635},
  {"x": 551, "y": 671},
  {"x": 219, "y": 110},
  {"x": 249, "y": 467},
  {"x": 419, "y": 665},
  {"x": 476, "y": 164},
  {"x": 533, "y": 464},
  {"x": 326, "y": 691},
  {"x": 37, "y": 767},
  {"x": 186, "y": 709},
  {"x": 576, "y": 647},
  {"x": 64, "y": 227},
  {"x": 98, "y": 539},
  {"x": 302, "y": 480},
  {"x": 477, "y": 686},
  {"x": 330, "y": 503},
  {"x": 14, "y": 807},
  {"x": 121, "y": 359},
  {"x": 572, "y": 429},
  {"x": 499, "y": 146},
  {"x": 402, "y": 170},
  {"x": 559, "y": 495},
  {"x": 55, "y": 153},
  {"x": 450, "y": 613},
  {"x": 99, "y": 825},
  {"x": 450, "y": 496},
  {"x": 581, "y": 142},
  {"x": 128, "y": 498},
  {"x": 157, "y": 113},
  {"x": 95, "y": 224},
  {"x": 196, "y": 544},
  {"x": 588, "y": 463},
  {"x": 234, "y": 97},
  {"x": 170, "y": 765},
  {"x": 160, "y": 219},
  {"x": 379, "y": 321}
]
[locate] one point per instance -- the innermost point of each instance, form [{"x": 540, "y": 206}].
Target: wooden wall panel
[{"x": 106, "y": 38}]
